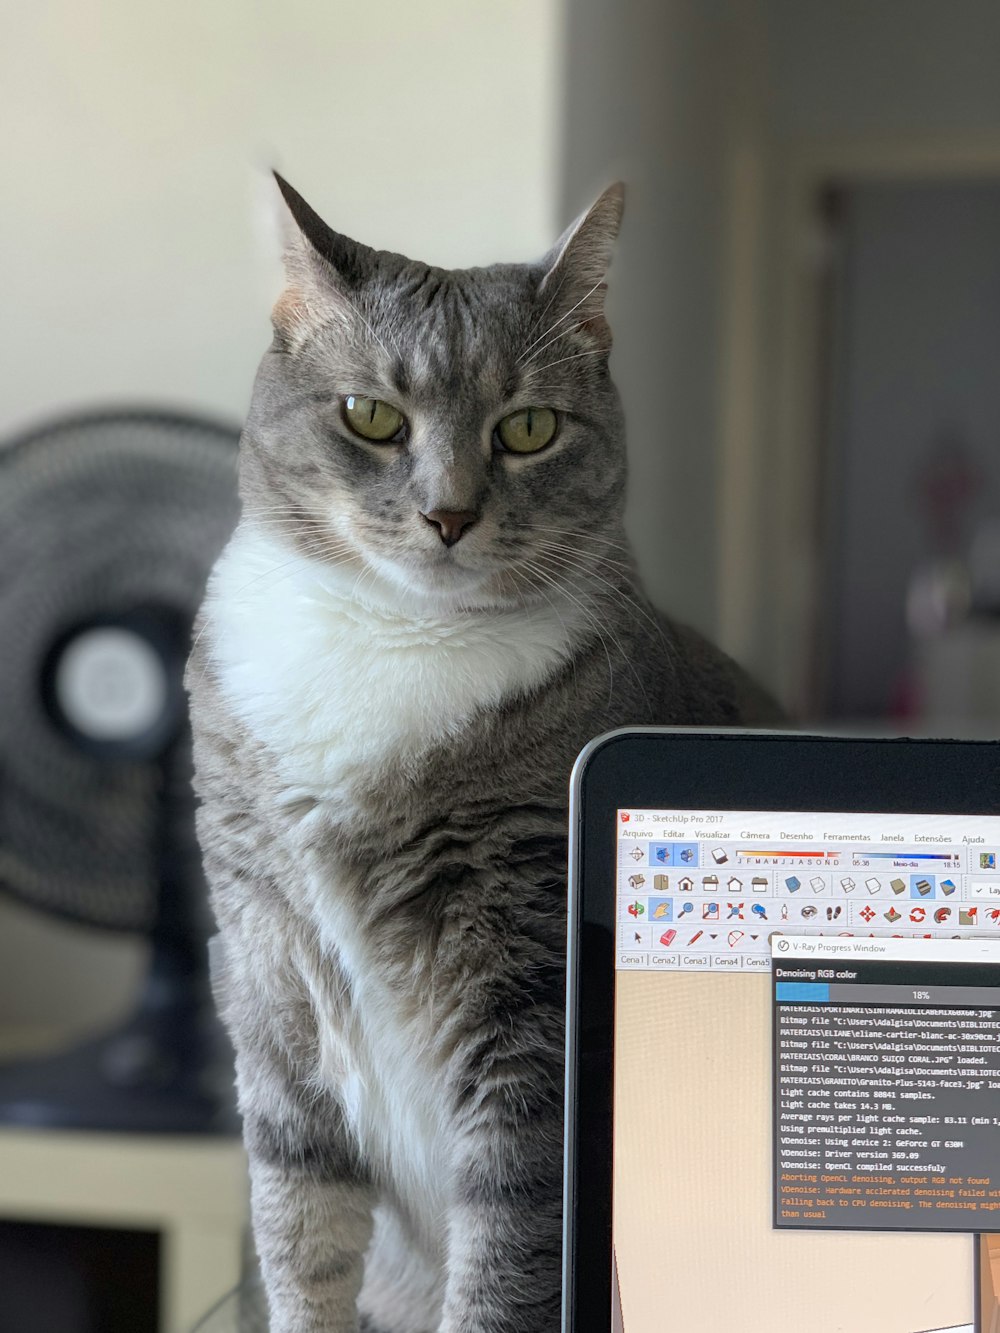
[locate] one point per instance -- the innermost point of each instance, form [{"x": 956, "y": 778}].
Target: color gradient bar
[
  {"x": 905, "y": 856},
  {"x": 796, "y": 853}
]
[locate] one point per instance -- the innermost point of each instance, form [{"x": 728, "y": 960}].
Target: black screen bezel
[{"x": 701, "y": 770}]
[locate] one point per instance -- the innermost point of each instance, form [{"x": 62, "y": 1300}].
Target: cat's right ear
[
  {"x": 322, "y": 269},
  {"x": 576, "y": 267}
]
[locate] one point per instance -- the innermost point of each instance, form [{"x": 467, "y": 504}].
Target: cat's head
[{"x": 449, "y": 437}]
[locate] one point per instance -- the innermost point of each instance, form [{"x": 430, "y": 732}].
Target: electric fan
[{"x": 109, "y": 525}]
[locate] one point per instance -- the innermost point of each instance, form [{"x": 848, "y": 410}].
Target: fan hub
[{"x": 110, "y": 684}]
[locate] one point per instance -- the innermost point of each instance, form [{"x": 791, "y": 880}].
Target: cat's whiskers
[
  {"x": 322, "y": 546},
  {"x": 206, "y": 609},
  {"x": 291, "y": 523},
  {"x": 571, "y": 561},
  {"x": 294, "y": 527},
  {"x": 561, "y": 568},
  {"x": 546, "y": 308},
  {"x": 574, "y": 553},
  {"x": 289, "y": 510},
  {"x": 549, "y": 601},
  {"x": 570, "y": 532},
  {"x": 555, "y": 324},
  {"x": 589, "y": 615},
  {"x": 576, "y": 534},
  {"x": 571, "y": 558},
  {"x": 563, "y": 333},
  {"x": 280, "y": 515},
  {"x": 327, "y": 540},
  {"x": 571, "y": 555},
  {"x": 366, "y": 570},
  {"x": 357, "y": 310},
  {"x": 285, "y": 565},
  {"x": 296, "y": 505},
  {"x": 596, "y": 351}
]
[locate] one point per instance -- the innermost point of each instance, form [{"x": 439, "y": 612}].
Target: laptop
[{"x": 783, "y": 1054}]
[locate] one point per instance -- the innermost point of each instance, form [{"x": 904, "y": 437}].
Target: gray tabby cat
[{"x": 427, "y": 609}]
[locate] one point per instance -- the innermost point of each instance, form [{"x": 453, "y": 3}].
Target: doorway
[{"x": 909, "y": 511}]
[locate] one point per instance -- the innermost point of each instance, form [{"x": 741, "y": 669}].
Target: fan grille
[{"x": 100, "y": 516}]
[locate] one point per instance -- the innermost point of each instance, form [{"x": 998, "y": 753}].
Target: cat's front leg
[
  {"x": 312, "y": 1203},
  {"x": 505, "y": 1225},
  {"x": 505, "y": 1246}
]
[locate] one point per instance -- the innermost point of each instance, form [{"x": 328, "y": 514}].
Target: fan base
[{"x": 129, "y": 1081}]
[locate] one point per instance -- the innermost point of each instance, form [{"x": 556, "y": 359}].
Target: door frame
[{"x": 776, "y": 261}]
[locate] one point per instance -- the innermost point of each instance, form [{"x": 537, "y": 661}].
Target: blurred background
[{"x": 805, "y": 299}]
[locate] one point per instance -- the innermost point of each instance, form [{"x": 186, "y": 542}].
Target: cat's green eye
[
  {"x": 372, "y": 419},
  {"x": 527, "y": 431}
]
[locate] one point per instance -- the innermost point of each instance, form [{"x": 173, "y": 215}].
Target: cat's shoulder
[{"x": 708, "y": 688}]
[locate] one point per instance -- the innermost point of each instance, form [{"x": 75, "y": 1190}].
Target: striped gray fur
[{"x": 388, "y": 875}]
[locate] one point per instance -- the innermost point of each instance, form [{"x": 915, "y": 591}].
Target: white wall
[
  {"x": 132, "y": 261},
  {"x": 130, "y": 265}
]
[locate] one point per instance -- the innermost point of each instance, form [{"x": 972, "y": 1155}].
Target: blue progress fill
[{"x": 802, "y": 991}]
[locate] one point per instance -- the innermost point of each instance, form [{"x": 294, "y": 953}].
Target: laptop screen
[{"x": 739, "y": 1178}]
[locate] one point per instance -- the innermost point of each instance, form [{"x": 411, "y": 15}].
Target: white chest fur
[
  {"x": 334, "y": 684},
  {"x": 378, "y": 1060}
]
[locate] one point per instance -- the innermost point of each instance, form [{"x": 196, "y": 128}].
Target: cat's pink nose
[{"x": 450, "y": 523}]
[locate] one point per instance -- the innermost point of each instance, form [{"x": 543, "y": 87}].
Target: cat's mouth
[
  {"x": 461, "y": 575},
  {"x": 446, "y": 580},
  {"x": 428, "y": 572}
]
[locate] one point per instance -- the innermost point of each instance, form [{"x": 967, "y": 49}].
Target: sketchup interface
[
  {"x": 705, "y": 890},
  {"x": 886, "y": 1083}
]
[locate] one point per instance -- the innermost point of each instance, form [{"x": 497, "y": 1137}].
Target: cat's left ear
[
  {"x": 576, "y": 267},
  {"x": 322, "y": 270}
]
